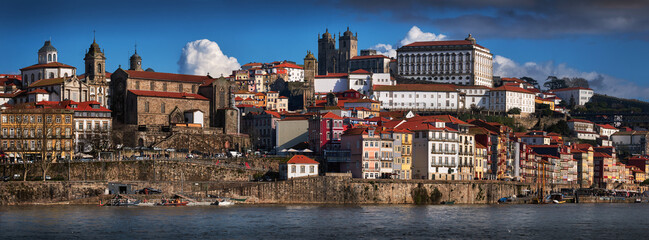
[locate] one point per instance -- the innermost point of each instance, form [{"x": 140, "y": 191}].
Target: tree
[
  {"x": 560, "y": 127},
  {"x": 555, "y": 83},
  {"x": 514, "y": 111},
  {"x": 531, "y": 81},
  {"x": 572, "y": 103}
]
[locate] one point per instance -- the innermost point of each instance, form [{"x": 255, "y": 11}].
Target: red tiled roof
[
  {"x": 301, "y": 159},
  {"x": 428, "y": 87},
  {"x": 38, "y": 91},
  {"x": 607, "y": 126},
  {"x": 331, "y": 116},
  {"x": 601, "y": 154},
  {"x": 167, "y": 76},
  {"x": 87, "y": 107},
  {"x": 167, "y": 94},
  {"x": 368, "y": 57},
  {"x": 47, "y": 65},
  {"x": 365, "y": 100},
  {"x": 283, "y": 97},
  {"x": 442, "y": 43},
  {"x": 513, "y": 80},
  {"x": 238, "y": 99},
  {"x": 275, "y": 114},
  {"x": 287, "y": 65},
  {"x": 252, "y": 64},
  {"x": 361, "y": 71},
  {"x": 511, "y": 89},
  {"x": 580, "y": 120},
  {"x": 332, "y": 75}
]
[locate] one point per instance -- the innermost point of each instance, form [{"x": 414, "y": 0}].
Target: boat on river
[
  {"x": 173, "y": 203},
  {"x": 120, "y": 200}
]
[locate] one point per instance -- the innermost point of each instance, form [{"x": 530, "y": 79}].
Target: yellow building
[
  {"x": 36, "y": 132},
  {"x": 480, "y": 166},
  {"x": 545, "y": 101},
  {"x": 403, "y": 153}
]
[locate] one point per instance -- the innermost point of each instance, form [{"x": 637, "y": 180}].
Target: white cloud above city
[
  {"x": 203, "y": 56},
  {"x": 415, "y": 34}
]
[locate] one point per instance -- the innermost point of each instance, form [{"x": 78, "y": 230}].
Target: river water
[{"x": 561, "y": 221}]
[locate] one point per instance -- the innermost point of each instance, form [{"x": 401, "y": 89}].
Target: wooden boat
[
  {"x": 173, "y": 203},
  {"x": 448, "y": 202}
]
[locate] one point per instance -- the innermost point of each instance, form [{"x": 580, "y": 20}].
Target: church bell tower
[{"x": 95, "y": 64}]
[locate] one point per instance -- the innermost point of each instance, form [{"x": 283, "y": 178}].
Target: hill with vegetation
[{"x": 604, "y": 103}]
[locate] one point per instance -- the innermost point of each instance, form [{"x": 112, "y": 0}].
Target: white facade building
[
  {"x": 333, "y": 82},
  {"x": 299, "y": 166},
  {"x": 474, "y": 96},
  {"x": 435, "y": 151},
  {"x": 294, "y": 72},
  {"x": 580, "y": 95},
  {"x": 505, "y": 98},
  {"x": 441, "y": 97},
  {"x": 461, "y": 62}
]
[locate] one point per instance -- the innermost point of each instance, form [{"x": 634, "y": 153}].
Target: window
[
  {"x": 80, "y": 125},
  {"x": 164, "y": 87},
  {"x": 152, "y": 86},
  {"x": 89, "y": 126},
  {"x": 146, "y": 107},
  {"x": 162, "y": 108},
  {"x": 49, "y": 119},
  {"x": 312, "y": 169},
  {"x": 137, "y": 85},
  {"x": 180, "y": 87},
  {"x": 68, "y": 119},
  {"x": 293, "y": 169},
  {"x": 58, "y": 119},
  {"x": 302, "y": 169}
]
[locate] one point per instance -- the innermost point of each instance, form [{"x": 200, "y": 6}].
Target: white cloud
[
  {"x": 414, "y": 35},
  {"x": 203, "y": 56},
  {"x": 600, "y": 83}
]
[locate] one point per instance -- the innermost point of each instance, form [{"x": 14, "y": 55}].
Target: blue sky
[{"x": 601, "y": 41}]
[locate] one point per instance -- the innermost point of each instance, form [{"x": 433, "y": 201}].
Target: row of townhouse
[
  {"x": 55, "y": 130},
  {"x": 270, "y": 100}
]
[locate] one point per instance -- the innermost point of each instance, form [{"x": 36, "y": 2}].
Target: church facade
[{"x": 333, "y": 60}]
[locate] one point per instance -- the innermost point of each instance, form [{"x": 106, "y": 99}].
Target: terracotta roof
[
  {"x": 167, "y": 94},
  {"x": 442, "y": 43},
  {"x": 283, "y": 97},
  {"x": 47, "y": 65},
  {"x": 511, "y": 89},
  {"x": 38, "y": 91},
  {"x": 378, "y": 119},
  {"x": 301, "y": 159},
  {"x": 167, "y": 76},
  {"x": 332, "y": 75},
  {"x": 607, "y": 126},
  {"x": 360, "y": 71},
  {"x": 569, "y": 89},
  {"x": 275, "y": 114},
  {"x": 87, "y": 107},
  {"x": 580, "y": 120},
  {"x": 365, "y": 100},
  {"x": 46, "y": 82},
  {"x": 331, "y": 116},
  {"x": 252, "y": 64},
  {"x": 356, "y": 131},
  {"x": 513, "y": 80},
  {"x": 287, "y": 65},
  {"x": 238, "y": 99},
  {"x": 601, "y": 154}
]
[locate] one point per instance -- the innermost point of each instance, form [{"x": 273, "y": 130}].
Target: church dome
[
  {"x": 326, "y": 34},
  {"x": 135, "y": 56},
  {"x": 47, "y": 47},
  {"x": 348, "y": 33},
  {"x": 149, "y": 70}
]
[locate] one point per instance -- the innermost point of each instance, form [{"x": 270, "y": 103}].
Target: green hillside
[{"x": 604, "y": 103}]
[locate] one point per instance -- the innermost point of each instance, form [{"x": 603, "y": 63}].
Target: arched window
[
  {"x": 39, "y": 75},
  {"x": 33, "y": 77},
  {"x": 99, "y": 68},
  {"x": 151, "y": 86},
  {"x": 66, "y": 74},
  {"x": 180, "y": 87},
  {"x": 49, "y": 57},
  {"x": 54, "y": 57},
  {"x": 51, "y": 75}
]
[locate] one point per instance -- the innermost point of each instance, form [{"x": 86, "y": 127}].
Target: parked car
[
  {"x": 47, "y": 177},
  {"x": 235, "y": 154},
  {"x": 16, "y": 176},
  {"x": 148, "y": 191}
]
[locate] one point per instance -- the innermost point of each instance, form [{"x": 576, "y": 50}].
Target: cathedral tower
[
  {"x": 95, "y": 64},
  {"x": 327, "y": 54},
  {"x": 348, "y": 48},
  {"x": 310, "y": 68}
]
